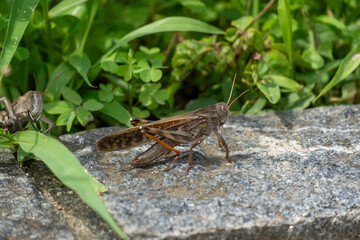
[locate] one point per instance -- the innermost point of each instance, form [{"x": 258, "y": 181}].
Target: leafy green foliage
[
  {"x": 73, "y": 108},
  {"x": 106, "y": 71}
]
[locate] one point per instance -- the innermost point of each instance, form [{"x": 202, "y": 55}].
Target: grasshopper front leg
[
  {"x": 12, "y": 117},
  {"x": 50, "y": 123},
  {"x": 222, "y": 143},
  {"x": 43, "y": 119}
]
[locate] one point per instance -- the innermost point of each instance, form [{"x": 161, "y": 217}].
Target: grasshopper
[
  {"x": 192, "y": 127},
  {"x": 24, "y": 109}
]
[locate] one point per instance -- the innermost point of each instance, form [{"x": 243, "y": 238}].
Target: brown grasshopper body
[
  {"x": 193, "y": 128},
  {"x": 24, "y": 109}
]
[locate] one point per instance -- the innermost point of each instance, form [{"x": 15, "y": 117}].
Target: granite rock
[
  {"x": 25, "y": 212},
  {"x": 296, "y": 176}
]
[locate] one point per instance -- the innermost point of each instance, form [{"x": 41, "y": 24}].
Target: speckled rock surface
[
  {"x": 296, "y": 176},
  {"x": 24, "y": 212}
]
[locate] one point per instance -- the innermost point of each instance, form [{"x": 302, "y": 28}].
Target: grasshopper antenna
[
  {"x": 237, "y": 98},
  {"x": 37, "y": 89},
  {"x": 232, "y": 88},
  {"x": 51, "y": 84}
]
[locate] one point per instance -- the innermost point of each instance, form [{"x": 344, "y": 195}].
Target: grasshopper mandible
[
  {"x": 25, "y": 108},
  {"x": 192, "y": 127}
]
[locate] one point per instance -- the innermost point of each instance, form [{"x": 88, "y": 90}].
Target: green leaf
[
  {"x": 84, "y": 116},
  {"x": 66, "y": 119},
  {"x": 194, "y": 5},
  {"x": 231, "y": 34},
  {"x": 325, "y": 49},
  {"x": 115, "y": 110},
  {"x": 22, "y": 53},
  {"x": 68, "y": 170},
  {"x": 58, "y": 107},
  {"x": 93, "y": 105},
  {"x": 5, "y": 140},
  {"x": 347, "y": 66},
  {"x": 313, "y": 58},
  {"x": 105, "y": 96},
  {"x": 148, "y": 51},
  {"x": 286, "y": 26},
  {"x": 169, "y": 24},
  {"x": 122, "y": 57},
  {"x": 65, "y": 7},
  {"x": 270, "y": 89},
  {"x": 285, "y": 82},
  {"x": 161, "y": 96},
  {"x": 22, "y": 155},
  {"x": 20, "y": 15},
  {"x": 155, "y": 74},
  {"x": 59, "y": 78},
  {"x": 299, "y": 100},
  {"x": 145, "y": 98},
  {"x": 82, "y": 64},
  {"x": 145, "y": 75},
  {"x": 70, "y": 120},
  {"x": 143, "y": 63},
  {"x": 137, "y": 112},
  {"x": 152, "y": 88},
  {"x": 334, "y": 22},
  {"x": 348, "y": 90},
  {"x": 5, "y": 145},
  {"x": 109, "y": 66},
  {"x": 258, "y": 105},
  {"x": 124, "y": 71},
  {"x": 149, "y": 74},
  {"x": 3, "y": 22},
  {"x": 71, "y": 96},
  {"x": 242, "y": 23}
]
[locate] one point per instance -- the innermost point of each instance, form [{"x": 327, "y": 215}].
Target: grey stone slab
[
  {"x": 296, "y": 176},
  {"x": 24, "y": 212}
]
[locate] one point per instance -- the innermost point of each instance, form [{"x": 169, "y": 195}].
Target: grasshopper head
[
  {"x": 222, "y": 110},
  {"x": 34, "y": 104}
]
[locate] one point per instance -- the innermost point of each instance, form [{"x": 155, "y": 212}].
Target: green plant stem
[
  {"x": 270, "y": 3},
  {"x": 255, "y": 10},
  {"x": 50, "y": 50},
  {"x": 25, "y": 84},
  {"x": 131, "y": 98},
  {"x": 310, "y": 30},
  {"x": 93, "y": 9}
]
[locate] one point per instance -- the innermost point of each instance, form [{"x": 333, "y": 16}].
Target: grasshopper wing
[{"x": 132, "y": 137}]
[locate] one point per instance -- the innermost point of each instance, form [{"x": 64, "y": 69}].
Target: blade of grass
[
  {"x": 68, "y": 170},
  {"x": 347, "y": 66},
  {"x": 286, "y": 28},
  {"x": 20, "y": 15},
  {"x": 64, "y": 7}
]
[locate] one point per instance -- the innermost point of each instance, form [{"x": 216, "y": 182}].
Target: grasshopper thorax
[
  {"x": 31, "y": 107},
  {"x": 37, "y": 105},
  {"x": 222, "y": 110}
]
